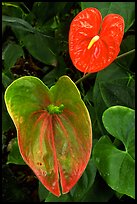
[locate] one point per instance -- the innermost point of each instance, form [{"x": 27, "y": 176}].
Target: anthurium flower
[
  {"x": 95, "y": 43},
  {"x": 53, "y": 129}
]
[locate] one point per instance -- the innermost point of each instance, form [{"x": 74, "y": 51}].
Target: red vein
[
  {"x": 64, "y": 130},
  {"x": 53, "y": 145},
  {"x": 43, "y": 130},
  {"x": 82, "y": 147},
  {"x": 40, "y": 118},
  {"x": 31, "y": 139}
]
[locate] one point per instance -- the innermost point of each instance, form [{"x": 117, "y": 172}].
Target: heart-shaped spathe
[
  {"x": 53, "y": 129},
  {"x": 93, "y": 43}
]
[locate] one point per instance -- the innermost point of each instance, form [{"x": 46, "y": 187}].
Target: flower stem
[
  {"x": 82, "y": 78},
  {"x": 120, "y": 56},
  {"x": 126, "y": 53}
]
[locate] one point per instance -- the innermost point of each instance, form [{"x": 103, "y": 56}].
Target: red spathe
[{"x": 84, "y": 27}]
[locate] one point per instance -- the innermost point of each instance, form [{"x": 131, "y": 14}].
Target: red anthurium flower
[{"x": 93, "y": 43}]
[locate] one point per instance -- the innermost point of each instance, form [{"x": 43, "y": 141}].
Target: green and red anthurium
[{"x": 53, "y": 129}]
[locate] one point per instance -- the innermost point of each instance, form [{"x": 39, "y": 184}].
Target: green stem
[
  {"x": 120, "y": 56},
  {"x": 126, "y": 53},
  {"x": 82, "y": 78}
]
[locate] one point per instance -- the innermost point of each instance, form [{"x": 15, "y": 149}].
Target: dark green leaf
[
  {"x": 53, "y": 75},
  {"x": 50, "y": 78},
  {"x": 6, "y": 80},
  {"x": 88, "y": 99},
  {"x": 43, "y": 11},
  {"x": 23, "y": 6},
  {"x": 40, "y": 47},
  {"x": 112, "y": 87},
  {"x": 127, "y": 44},
  {"x": 62, "y": 198},
  {"x": 17, "y": 23},
  {"x": 115, "y": 92},
  {"x": 125, "y": 9},
  {"x": 11, "y": 9},
  {"x": 6, "y": 119},
  {"x": 14, "y": 155},
  {"x": 42, "y": 192},
  {"x": 99, "y": 191},
  {"x": 80, "y": 190},
  {"x": 10, "y": 55}
]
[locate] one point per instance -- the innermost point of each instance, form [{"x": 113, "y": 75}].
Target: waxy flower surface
[{"x": 95, "y": 43}]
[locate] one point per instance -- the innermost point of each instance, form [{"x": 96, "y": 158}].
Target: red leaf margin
[{"x": 40, "y": 132}]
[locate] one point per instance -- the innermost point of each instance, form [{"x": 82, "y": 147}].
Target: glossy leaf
[
  {"x": 40, "y": 47},
  {"x": 50, "y": 142},
  {"x": 116, "y": 166},
  {"x": 125, "y": 9},
  {"x": 121, "y": 126},
  {"x": 17, "y": 23},
  {"x": 94, "y": 44},
  {"x": 112, "y": 87}
]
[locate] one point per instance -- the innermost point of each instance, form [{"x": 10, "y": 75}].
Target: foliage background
[{"x": 35, "y": 42}]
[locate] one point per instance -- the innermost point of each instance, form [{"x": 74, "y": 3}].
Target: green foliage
[
  {"x": 39, "y": 46},
  {"x": 17, "y": 23},
  {"x": 14, "y": 155},
  {"x": 42, "y": 10},
  {"x": 112, "y": 87},
  {"x": 35, "y": 43},
  {"x": 12, "y": 9},
  {"x": 117, "y": 166},
  {"x": 6, "y": 119},
  {"x": 127, "y": 44},
  {"x": 80, "y": 190},
  {"x": 11, "y": 54}
]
